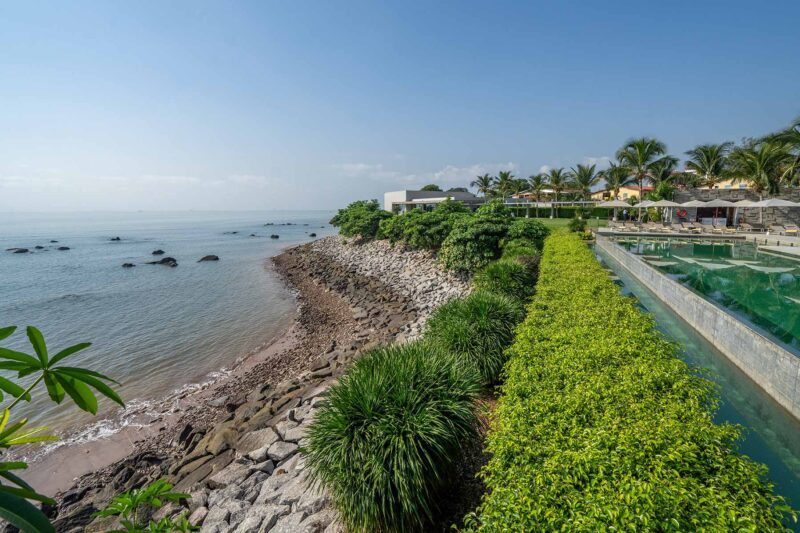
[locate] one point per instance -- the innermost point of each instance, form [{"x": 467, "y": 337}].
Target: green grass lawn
[{"x": 560, "y": 224}]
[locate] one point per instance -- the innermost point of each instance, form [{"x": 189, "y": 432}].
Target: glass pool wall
[{"x": 770, "y": 434}]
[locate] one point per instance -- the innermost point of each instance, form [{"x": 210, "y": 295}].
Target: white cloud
[
  {"x": 601, "y": 162},
  {"x": 544, "y": 169}
]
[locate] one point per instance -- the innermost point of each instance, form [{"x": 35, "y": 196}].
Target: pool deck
[{"x": 770, "y": 365}]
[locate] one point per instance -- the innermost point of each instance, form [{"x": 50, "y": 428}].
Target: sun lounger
[
  {"x": 691, "y": 227},
  {"x": 707, "y": 228},
  {"x": 719, "y": 228},
  {"x": 746, "y": 228},
  {"x": 791, "y": 229},
  {"x": 777, "y": 228}
]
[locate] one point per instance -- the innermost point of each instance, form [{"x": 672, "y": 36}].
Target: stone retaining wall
[{"x": 772, "y": 367}]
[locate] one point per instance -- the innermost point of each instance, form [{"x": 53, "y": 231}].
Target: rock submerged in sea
[
  {"x": 253, "y": 235},
  {"x": 128, "y": 265},
  {"x": 37, "y": 247},
  {"x": 115, "y": 239},
  {"x": 53, "y": 241},
  {"x": 273, "y": 236},
  {"x": 167, "y": 261},
  {"x": 209, "y": 258},
  {"x": 63, "y": 248},
  {"x": 312, "y": 234},
  {"x": 17, "y": 250},
  {"x": 158, "y": 252}
]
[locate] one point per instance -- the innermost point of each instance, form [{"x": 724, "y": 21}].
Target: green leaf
[
  {"x": 66, "y": 352},
  {"x": 54, "y": 389},
  {"x": 13, "y": 389},
  {"x": 23, "y": 514},
  {"x": 79, "y": 392},
  {"x": 7, "y": 331},
  {"x": 5, "y": 353},
  {"x": 13, "y": 365},
  {"x": 28, "y": 494},
  {"x": 13, "y": 465},
  {"x": 37, "y": 341},
  {"x": 74, "y": 369},
  {"x": 101, "y": 387}
]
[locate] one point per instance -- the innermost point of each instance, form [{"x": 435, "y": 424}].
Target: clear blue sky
[{"x": 264, "y": 105}]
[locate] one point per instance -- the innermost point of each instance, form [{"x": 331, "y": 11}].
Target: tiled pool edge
[{"x": 772, "y": 367}]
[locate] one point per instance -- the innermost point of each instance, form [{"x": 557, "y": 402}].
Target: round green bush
[
  {"x": 528, "y": 229},
  {"x": 472, "y": 243},
  {"x": 508, "y": 277},
  {"x": 360, "y": 218},
  {"x": 577, "y": 225},
  {"x": 477, "y": 329},
  {"x": 388, "y": 437}
]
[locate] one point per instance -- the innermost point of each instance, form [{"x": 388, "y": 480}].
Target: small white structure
[{"x": 402, "y": 201}]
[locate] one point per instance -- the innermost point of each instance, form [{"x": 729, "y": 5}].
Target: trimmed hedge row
[{"x": 601, "y": 427}]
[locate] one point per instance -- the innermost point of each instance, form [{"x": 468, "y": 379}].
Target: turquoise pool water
[
  {"x": 757, "y": 284},
  {"x": 770, "y": 435}
]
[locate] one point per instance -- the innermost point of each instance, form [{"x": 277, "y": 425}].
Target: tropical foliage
[
  {"x": 477, "y": 329},
  {"x": 136, "y": 506},
  {"x": 60, "y": 381},
  {"x": 601, "y": 428},
  {"x": 389, "y": 435},
  {"x": 361, "y": 218}
]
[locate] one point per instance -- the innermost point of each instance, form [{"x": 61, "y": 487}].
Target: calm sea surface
[{"x": 154, "y": 329}]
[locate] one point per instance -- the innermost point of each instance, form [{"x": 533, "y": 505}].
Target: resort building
[
  {"x": 626, "y": 192},
  {"x": 402, "y": 201}
]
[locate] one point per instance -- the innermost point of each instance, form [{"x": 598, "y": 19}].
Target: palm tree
[
  {"x": 762, "y": 165},
  {"x": 638, "y": 155},
  {"x": 662, "y": 173},
  {"x": 504, "y": 183},
  {"x": 558, "y": 179},
  {"x": 616, "y": 177},
  {"x": 710, "y": 161},
  {"x": 484, "y": 184},
  {"x": 584, "y": 177},
  {"x": 536, "y": 184},
  {"x": 791, "y": 137}
]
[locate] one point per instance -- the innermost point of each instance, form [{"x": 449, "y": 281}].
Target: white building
[{"x": 401, "y": 201}]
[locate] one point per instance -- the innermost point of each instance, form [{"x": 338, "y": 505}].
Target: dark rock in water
[
  {"x": 158, "y": 252},
  {"x": 167, "y": 261},
  {"x": 39, "y": 247},
  {"x": 312, "y": 234},
  {"x": 252, "y": 234},
  {"x": 53, "y": 241},
  {"x": 209, "y": 258},
  {"x": 128, "y": 265},
  {"x": 63, "y": 248},
  {"x": 115, "y": 239},
  {"x": 17, "y": 250},
  {"x": 273, "y": 236},
  {"x": 269, "y": 224},
  {"x": 230, "y": 232}
]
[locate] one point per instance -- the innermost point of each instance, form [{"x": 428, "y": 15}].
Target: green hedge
[{"x": 601, "y": 427}]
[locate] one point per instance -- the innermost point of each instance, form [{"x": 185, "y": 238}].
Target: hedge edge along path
[{"x": 601, "y": 427}]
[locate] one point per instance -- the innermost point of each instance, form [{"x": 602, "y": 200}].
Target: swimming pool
[{"x": 760, "y": 285}]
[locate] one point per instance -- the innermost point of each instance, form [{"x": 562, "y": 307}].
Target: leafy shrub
[
  {"x": 476, "y": 329},
  {"x": 600, "y": 427},
  {"x": 388, "y": 436},
  {"x": 360, "y": 218},
  {"x": 60, "y": 381},
  {"x": 135, "y": 507},
  {"x": 506, "y": 276},
  {"x": 494, "y": 208},
  {"x": 473, "y": 242},
  {"x": 528, "y": 229},
  {"x": 518, "y": 247},
  {"x": 393, "y": 228},
  {"x": 577, "y": 225}
]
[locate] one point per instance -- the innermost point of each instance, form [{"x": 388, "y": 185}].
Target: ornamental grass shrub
[
  {"x": 518, "y": 247},
  {"x": 476, "y": 329},
  {"x": 600, "y": 427},
  {"x": 506, "y": 276},
  {"x": 386, "y": 440}
]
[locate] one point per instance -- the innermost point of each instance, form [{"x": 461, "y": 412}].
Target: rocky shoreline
[{"x": 242, "y": 466}]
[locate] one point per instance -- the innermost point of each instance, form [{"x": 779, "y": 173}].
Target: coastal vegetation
[
  {"x": 136, "y": 506},
  {"x": 60, "y": 381},
  {"x": 390, "y": 433},
  {"x": 600, "y": 426},
  {"x": 477, "y": 330}
]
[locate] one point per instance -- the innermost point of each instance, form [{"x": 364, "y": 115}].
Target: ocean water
[{"x": 153, "y": 328}]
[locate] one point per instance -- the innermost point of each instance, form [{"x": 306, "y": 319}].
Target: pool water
[
  {"x": 757, "y": 284},
  {"x": 770, "y": 434}
]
